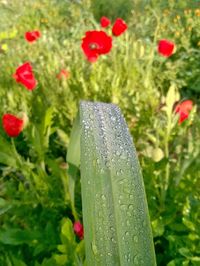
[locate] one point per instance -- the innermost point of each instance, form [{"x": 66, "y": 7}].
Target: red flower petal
[
  {"x": 12, "y": 125},
  {"x": 96, "y": 43},
  {"x": 78, "y": 229},
  {"x": 105, "y": 22},
  {"x": 183, "y": 109},
  {"x": 119, "y": 27},
  {"x": 63, "y": 74},
  {"x": 165, "y": 48},
  {"x": 25, "y": 76},
  {"x": 32, "y": 36}
]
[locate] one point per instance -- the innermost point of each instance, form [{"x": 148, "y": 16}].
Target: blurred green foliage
[{"x": 36, "y": 212}]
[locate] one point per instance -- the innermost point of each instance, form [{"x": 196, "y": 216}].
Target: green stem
[
  {"x": 15, "y": 152},
  {"x": 167, "y": 168}
]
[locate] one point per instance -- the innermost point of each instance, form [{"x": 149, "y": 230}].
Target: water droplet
[
  {"x": 123, "y": 207},
  {"x": 135, "y": 239},
  {"x": 144, "y": 223},
  {"x": 118, "y": 153},
  {"x": 103, "y": 197},
  {"x": 129, "y": 214},
  {"x": 130, "y": 207},
  {"x": 113, "y": 240},
  {"x": 126, "y": 233}
]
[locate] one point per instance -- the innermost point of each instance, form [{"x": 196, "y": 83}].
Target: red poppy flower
[
  {"x": 78, "y": 229},
  {"x": 183, "y": 109},
  {"x": 12, "y": 125},
  {"x": 96, "y": 43},
  {"x": 63, "y": 74},
  {"x": 165, "y": 48},
  {"x": 24, "y": 75},
  {"x": 32, "y": 36},
  {"x": 119, "y": 27},
  {"x": 105, "y": 22}
]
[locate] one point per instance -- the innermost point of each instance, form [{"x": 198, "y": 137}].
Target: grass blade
[{"x": 115, "y": 212}]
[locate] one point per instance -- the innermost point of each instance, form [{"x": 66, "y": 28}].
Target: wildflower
[
  {"x": 12, "y": 125},
  {"x": 183, "y": 110},
  {"x": 165, "y": 48},
  {"x": 25, "y": 76},
  {"x": 63, "y": 74},
  {"x": 96, "y": 43},
  {"x": 32, "y": 36},
  {"x": 105, "y": 22},
  {"x": 119, "y": 27},
  {"x": 78, "y": 229}
]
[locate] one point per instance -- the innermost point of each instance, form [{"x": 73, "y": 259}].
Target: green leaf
[
  {"x": 185, "y": 252},
  {"x": 73, "y": 159},
  {"x": 73, "y": 151},
  {"x": 7, "y": 159},
  {"x": 158, "y": 227},
  {"x": 68, "y": 246},
  {"x": 16, "y": 236},
  {"x": 4, "y": 206},
  {"x": 189, "y": 224},
  {"x": 80, "y": 250},
  {"x": 67, "y": 231},
  {"x": 115, "y": 213},
  {"x": 171, "y": 98},
  {"x": 60, "y": 259},
  {"x": 49, "y": 262},
  {"x": 157, "y": 154},
  {"x": 17, "y": 262}
]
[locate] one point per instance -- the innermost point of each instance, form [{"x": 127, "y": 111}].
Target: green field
[{"x": 36, "y": 207}]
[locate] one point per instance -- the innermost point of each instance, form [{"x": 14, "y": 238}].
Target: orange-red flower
[
  {"x": 119, "y": 27},
  {"x": 183, "y": 109},
  {"x": 165, "y": 48},
  {"x": 63, "y": 74},
  {"x": 32, "y": 36},
  {"x": 24, "y": 75},
  {"x": 12, "y": 125},
  {"x": 105, "y": 22},
  {"x": 78, "y": 229},
  {"x": 96, "y": 43}
]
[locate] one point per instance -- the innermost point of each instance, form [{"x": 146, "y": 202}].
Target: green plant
[
  {"x": 115, "y": 213},
  {"x": 39, "y": 199}
]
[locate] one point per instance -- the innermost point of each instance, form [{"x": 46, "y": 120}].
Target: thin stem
[
  {"x": 17, "y": 156},
  {"x": 167, "y": 168}
]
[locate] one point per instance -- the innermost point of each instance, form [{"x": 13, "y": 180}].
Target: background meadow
[{"x": 36, "y": 212}]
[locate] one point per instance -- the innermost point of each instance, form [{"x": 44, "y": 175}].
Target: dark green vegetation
[{"x": 36, "y": 213}]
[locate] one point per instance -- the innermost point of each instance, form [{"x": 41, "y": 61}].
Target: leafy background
[{"x": 36, "y": 211}]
